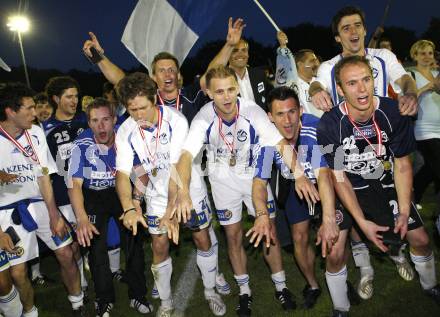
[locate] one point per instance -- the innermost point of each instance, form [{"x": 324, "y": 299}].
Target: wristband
[
  {"x": 259, "y": 213},
  {"x": 129, "y": 209}
]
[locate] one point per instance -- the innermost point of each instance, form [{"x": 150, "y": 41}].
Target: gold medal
[
  {"x": 386, "y": 165},
  {"x": 45, "y": 170},
  {"x": 232, "y": 161},
  {"x": 154, "y": 172}
]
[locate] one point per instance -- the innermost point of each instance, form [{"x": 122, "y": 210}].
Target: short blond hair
[
  {"x": 420, "y": 45},
  {"x": 219, "y": 72}
]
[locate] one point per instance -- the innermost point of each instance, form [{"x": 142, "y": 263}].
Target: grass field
[{"x": 392, "y": 295}]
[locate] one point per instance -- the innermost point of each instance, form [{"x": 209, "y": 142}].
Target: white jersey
[
  {"x": 386, "y": 69},
  {"x": 251, "y": 130},
  {"x": 302, "y": 89},
  {"x": 136, "y": 145},
  {"x": 13, "y": 161}
]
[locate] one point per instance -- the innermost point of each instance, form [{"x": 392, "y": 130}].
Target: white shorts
[
  {"x": 156, "y": 208},
  {"x": 230, "y": 193},
  {"x": 41, "y": 216},
  {"x": 4, "y": 261},
  {"x": 27, "y": 246},
  {"x": 69, "y": 215}
]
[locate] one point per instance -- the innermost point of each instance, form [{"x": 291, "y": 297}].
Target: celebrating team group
[{"x": 326, "y": 144}]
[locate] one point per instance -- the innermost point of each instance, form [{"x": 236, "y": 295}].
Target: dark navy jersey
[
  {"x": 191, "y": 99},
  {"x": 345, "y": 148},
  {"x": 95, "y": 165},
  {"x": 60, "y": 136},
  {"x": 309, "y": 155}
]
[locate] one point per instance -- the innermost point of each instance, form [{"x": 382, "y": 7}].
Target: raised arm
[{"x": 111, "y": 72}]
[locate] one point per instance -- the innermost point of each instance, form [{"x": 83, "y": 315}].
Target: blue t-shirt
[
  {"x": 309, "y": 154},
  {"x": 96, "y": 165},
  {"x": 346, "y": 149}
]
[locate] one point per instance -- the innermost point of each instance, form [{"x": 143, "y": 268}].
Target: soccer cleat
[
  {"x": 41, "y": 280},
  {"x": 141, "y": 305},
  {"x": 434, "y": 293},
  {"x": 339, "y": 313},
  {"x": 310, "y": 296},
  {"x": 216, "y": 304},
  {"x": 365, "y": 287},
  {"x": 103, "y": 309},
  {"x": 244, "y": 305},
  {"x": 163, "y": 311},
  {"x": 286, "y": 300},
  {"x": 154, "y": 292},
  {"x": 118, "y": 275},
  {"x": 79, "y": 312},
  {"x": 405, "y": 270},
  {"x": 221, "y": 285}
]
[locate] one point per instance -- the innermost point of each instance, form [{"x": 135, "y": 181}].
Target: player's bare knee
[
  {"x": 5, "y": 283},
  {"x": 19, "y": 274},
  {"x": 202, "y": 241},
  {"x": 419, "y": 242},
  {"x": 64, "y": 255}
]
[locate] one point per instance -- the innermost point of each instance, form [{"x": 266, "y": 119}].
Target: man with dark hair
[
  {"x": 28, "y": 204},
  {"x": 92, "y": 193},
  {"x": 252, "y": 81},
  {"x": 348, "y": 27},
  {"x": 42, "y": 107},
  {"x": 233, "y": 129},
  {"x": 367, "y": 144}
]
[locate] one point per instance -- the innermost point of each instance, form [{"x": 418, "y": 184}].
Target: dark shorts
[
  {"x": 380, "y": 206},
  {"x": 297, "y": 211}
]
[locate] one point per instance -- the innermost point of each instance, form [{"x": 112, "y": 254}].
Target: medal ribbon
[
  {"x": 220, "y": 124},
  {"x": 178, "y": 106},
  {"x": 151, "y": 155},
  {"x": 34, "y": 156},
  {"x": 376, "y": 128}
]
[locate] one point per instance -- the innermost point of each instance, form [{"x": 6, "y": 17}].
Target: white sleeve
[
  {"x": 395, "y": 69},
  {"x": 324, "y": 76},
  {"x": 197, "y": 134},
  {"x": 44, "y": 155},
  {"x": 124, "y": 150},
  {"x": 266, "y": 130},
  {"x": 180, "y": 131}
]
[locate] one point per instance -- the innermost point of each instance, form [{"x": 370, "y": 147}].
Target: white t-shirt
[
  {"x": 427, "y": 125},
  {"x": 386, "y": 69},
  {"x": 13, "y": 161},
  {"x": 244, "y": 83},
  {"x": 249, "y": 132},
  {"x": 133, "y": 148},
  {"x": 302, "y": 89}
]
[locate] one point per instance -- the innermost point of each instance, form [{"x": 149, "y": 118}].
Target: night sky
[{"x": 59, "y": 28}]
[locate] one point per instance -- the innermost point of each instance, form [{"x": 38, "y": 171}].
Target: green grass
[{"x": 392, "y": 295}]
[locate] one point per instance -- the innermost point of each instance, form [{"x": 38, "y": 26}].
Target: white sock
[
  {"x": 162, "y": 277},
  {"x": 207, "y": 263},
  {"x": 35, "y": 269},
  {"x": 243, "y": 283},
  {"x": 114, "y": 258},
  {"x": 214, "y": 244},
  {"x": 81, "y": 272},
  {"x": 361, "y": 256},
  {"x": 10, "y": 304},
  {"x": 76, "y": 300},
  {"x": 425, "y": 266},
  {"x": 33, "y": 312},
  {"x": 337, "y": 286},
  {"x": 279, "y": 280}
]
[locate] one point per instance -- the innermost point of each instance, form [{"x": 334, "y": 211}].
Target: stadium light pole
[{"x": 20, "y": 24}]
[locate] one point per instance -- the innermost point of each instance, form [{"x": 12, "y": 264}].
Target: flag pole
[{"x": 267, "y": 16}]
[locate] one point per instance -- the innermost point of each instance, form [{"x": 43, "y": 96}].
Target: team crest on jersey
[
  {"x": 29, "y": 150},
  {"x": 384, "y": 136},
  {"x": 80, "y": 130},
  {"x": 339, "y": 217},
  {"x": 367, "y": 131},
  {"x": 375, "y": 72},
  {"x": 241, "y": 135}
]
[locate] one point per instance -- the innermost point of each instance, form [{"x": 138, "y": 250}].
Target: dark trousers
[
  {"x": 100, "y": 206},
  {"x": 430, "y": 171}
]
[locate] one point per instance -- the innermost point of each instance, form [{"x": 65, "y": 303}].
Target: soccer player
[
  {"x": 152, "y": 139},
  {"x": 61, "y": 129},
  {"x": 28, "y": 204},
  {"x": 348, "y": 27},
  {"x": 367, "y": 143},
  {"x": 92, "y": 169},
  {"x": 233, "y": 129},
  {"x": 10, "y": 305},
  {"x": 188, "y": 100}
]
